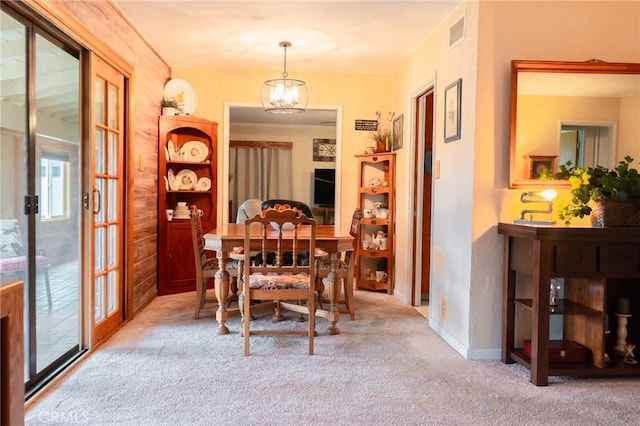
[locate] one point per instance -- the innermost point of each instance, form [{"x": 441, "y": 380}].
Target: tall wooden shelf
[
  {"x": 176, "y": 271},
  {"x": 598, "y": 267},
  {"x": 376, "y": 184}
]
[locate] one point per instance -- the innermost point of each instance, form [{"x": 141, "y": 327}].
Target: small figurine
[{"x": 629, "y": 357}]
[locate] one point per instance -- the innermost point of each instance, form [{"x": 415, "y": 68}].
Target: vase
[
  {"x": 609, "y": 212},
  {"x": 381, "y": 146},
  {"x": 169, "y": 111}
]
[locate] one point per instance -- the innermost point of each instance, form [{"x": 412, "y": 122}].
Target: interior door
[
  {"x": 427, "y": 111},
  {"x": 423, "y": 157},
  {"x": 107, "y": 198}
]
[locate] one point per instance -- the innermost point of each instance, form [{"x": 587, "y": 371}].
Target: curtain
[{"x": 261, "y": 170}]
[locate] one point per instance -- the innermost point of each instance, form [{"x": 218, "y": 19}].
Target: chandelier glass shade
[{"x": 284, "y": 95}]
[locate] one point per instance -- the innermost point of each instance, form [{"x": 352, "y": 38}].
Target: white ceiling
[{"x": 327, "y": 36}]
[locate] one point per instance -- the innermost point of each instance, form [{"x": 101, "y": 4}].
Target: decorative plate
[
  {"x": 174, "y": 185},
  {"x": 182, "y": 92},
  {"x": 187, "y": 179},
  {"x": 204, "y": 184},
  {"x": 194, "y": 151},
  {"x": 171, "y": 151}
]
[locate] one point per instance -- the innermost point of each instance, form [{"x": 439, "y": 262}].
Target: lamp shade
[{"x": 284, "y": 95}]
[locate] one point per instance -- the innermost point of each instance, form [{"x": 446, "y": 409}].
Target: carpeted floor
[{"x": 386, "y": 368}]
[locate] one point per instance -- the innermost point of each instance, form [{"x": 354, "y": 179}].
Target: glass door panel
[
  {"x": 14, "y": 226},
  {"x": 40, "y": 187},
  {"x": 58, "y": 186},
  {"x": 108, "y": 210}
]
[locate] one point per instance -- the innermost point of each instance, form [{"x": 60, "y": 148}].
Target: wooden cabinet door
[{"x": 179, "y": 258}]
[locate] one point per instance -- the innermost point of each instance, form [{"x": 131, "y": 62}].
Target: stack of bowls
[{"x": 181, "y": 211}]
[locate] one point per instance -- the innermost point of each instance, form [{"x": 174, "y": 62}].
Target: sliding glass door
[{"x": 41, "y": 191}]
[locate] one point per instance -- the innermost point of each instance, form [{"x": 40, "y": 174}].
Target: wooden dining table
[{"x": 225, "y": 238}]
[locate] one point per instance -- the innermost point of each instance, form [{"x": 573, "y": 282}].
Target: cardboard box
[{"x": 561, "y": 352}]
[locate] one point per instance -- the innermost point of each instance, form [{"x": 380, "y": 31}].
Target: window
[{"x": 54, "y": 191}]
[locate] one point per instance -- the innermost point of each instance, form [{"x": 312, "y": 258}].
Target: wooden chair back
[{"x": 278, "y": 231}]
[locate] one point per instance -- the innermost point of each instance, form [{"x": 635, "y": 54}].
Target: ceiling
[{"x": 327, "y": 36}]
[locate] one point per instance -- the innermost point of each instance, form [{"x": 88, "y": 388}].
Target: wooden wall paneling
[{"x": 121, "y": 44}]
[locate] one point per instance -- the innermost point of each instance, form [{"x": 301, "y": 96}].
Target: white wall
[
  {"x": 451, "y": 244},
  {"x": 560, "y": 31},
  {"x": 471, "y": 196}
]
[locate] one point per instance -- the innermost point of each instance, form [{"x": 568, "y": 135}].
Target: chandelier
[{"x": 284, "y": 95}]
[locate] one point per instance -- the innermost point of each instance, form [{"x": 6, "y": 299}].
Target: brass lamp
[{"x": 544, "y": 197}]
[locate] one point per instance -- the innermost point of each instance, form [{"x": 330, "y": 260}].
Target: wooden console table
[{"x": 599, "y": 266}]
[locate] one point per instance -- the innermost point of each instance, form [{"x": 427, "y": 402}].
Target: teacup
[
  {"x": 381, "y": 276},
  {"x": 367, "y": 213},
  {"x": 169, "y": 215},
  {"x": 369, "y": 150}
]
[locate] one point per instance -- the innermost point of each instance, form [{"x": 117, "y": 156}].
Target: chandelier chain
[{"x": 284, "y": 73}]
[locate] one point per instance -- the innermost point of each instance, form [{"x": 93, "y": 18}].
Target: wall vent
[{"x": 456, "y": 32}]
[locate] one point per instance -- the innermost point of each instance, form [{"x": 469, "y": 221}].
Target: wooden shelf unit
[
  {"x": 376, "y": 166},
  {"x": 598, "y": 266},
  {"x": 176, "y": 271}
]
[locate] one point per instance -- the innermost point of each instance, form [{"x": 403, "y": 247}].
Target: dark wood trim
[{"x": 261, "y": 144}]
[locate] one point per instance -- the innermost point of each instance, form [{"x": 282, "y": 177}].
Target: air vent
[{"x": 456, "y": 32}]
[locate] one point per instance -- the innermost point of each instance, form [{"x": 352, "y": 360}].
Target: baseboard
[
  {"x": 452, "y": 341},
  {"x": 475, "y": 354}
]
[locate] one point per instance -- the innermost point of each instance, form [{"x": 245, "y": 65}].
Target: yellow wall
[{"x": 359, "y": 95}]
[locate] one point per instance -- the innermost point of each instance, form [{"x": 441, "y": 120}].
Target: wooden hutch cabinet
[
  {"x": 596, "y": 269},
  {"x": 187, "y": 173},
  {"x": 375, "y": 245}
]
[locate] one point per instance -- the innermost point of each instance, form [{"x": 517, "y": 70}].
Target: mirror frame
[{"x": 517, "y": 66}]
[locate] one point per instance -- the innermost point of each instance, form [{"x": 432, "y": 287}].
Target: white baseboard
[{"x": 475, "y": 354}]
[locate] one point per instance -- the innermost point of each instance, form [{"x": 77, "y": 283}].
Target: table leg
[
  {"x": 334, "y": 293},
  {"x": 222, "y": 292}
]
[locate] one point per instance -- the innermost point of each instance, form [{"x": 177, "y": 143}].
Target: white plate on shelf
[
  {"x": 174, "y": 185},
  {"x": 182, "y": 92},
  {"x": 204, "y": 184},
  {"x": 194, "y": 151},
  {"x": 171, "y": 151},
  {"x": 187, "y": 179}
]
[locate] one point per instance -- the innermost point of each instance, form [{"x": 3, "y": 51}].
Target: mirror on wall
[{"x": 583, "y": 112}]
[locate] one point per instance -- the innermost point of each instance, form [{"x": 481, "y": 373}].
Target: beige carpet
[{"x": 385, "y": 368}]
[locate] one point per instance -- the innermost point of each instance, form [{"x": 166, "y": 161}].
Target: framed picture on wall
[
  {"x": 535, "y": 165},
  {"x": 452, "y": 111},
  {"x": 324, "y": 149},
  {"x": 396, "y": 133}
]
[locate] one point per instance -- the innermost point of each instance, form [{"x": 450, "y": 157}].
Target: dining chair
[
  {"x": 345, "y": 273},
  {"x": 206, "y": 267},
  {"x": 292, "y": 287},
  {"x": 248, "y": 209},
  {"x": 14, "y": 261},
  {"x": 303, "y": 207}
]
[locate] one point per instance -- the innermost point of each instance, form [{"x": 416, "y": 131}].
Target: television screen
[{"x": 324, "y": 187}]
